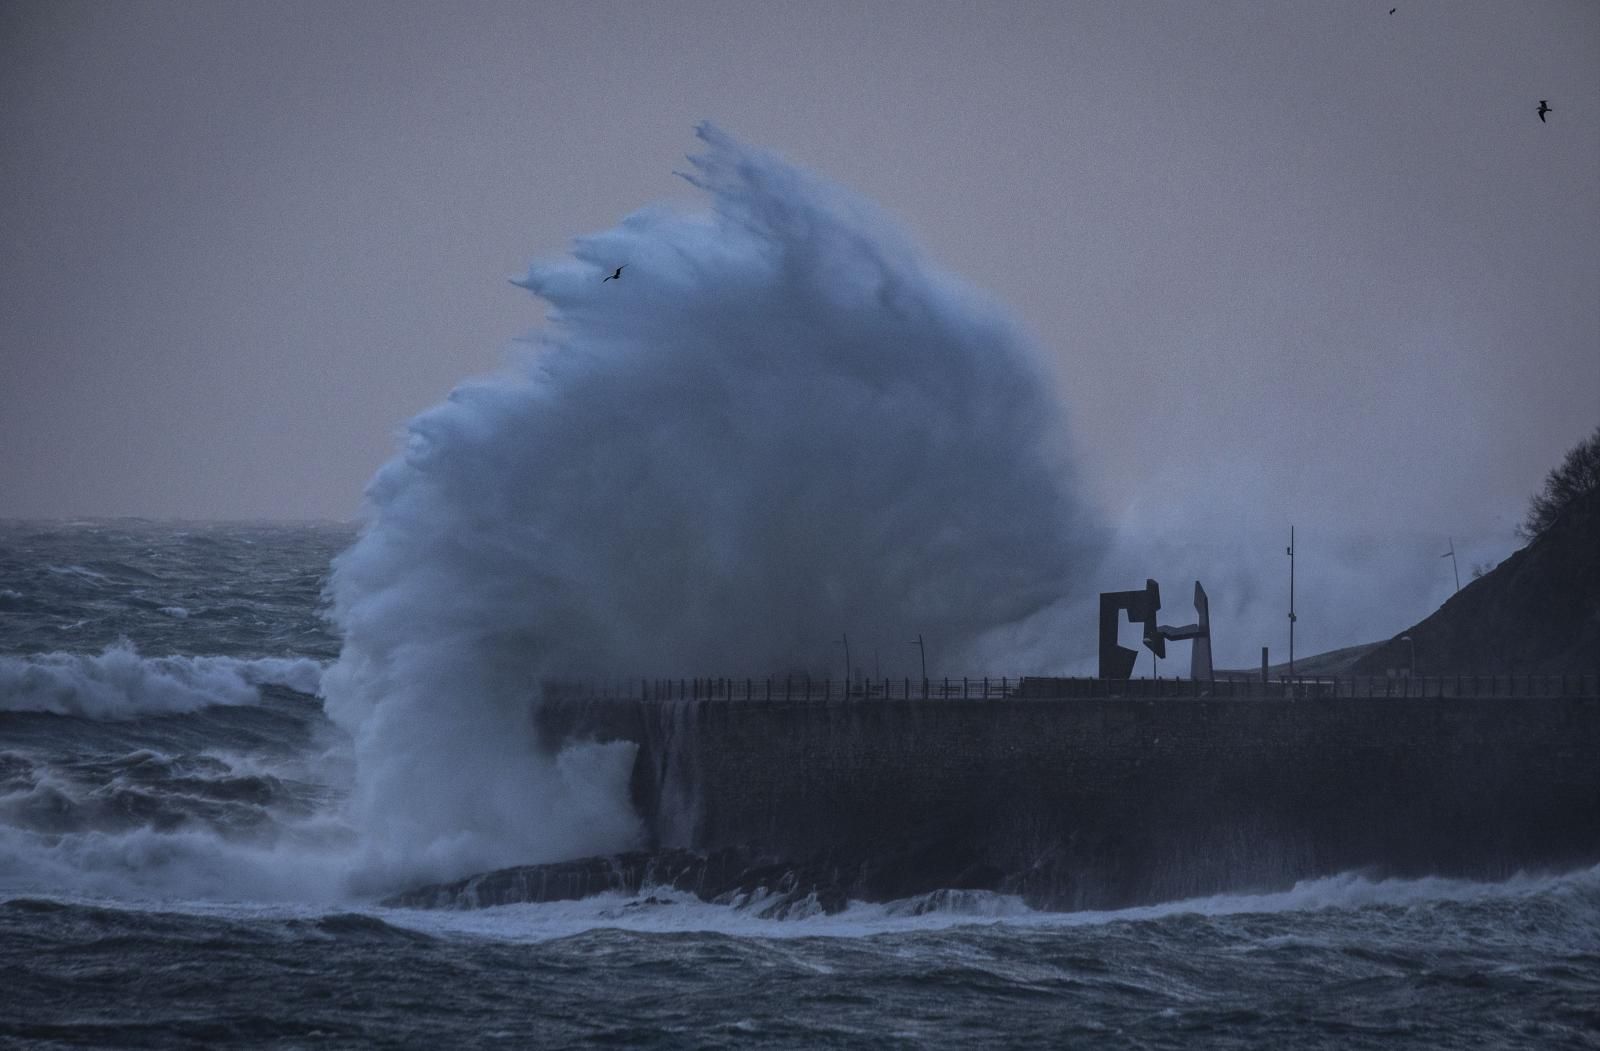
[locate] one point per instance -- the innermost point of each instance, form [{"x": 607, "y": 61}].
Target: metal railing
[
  {"x": 790, "y": 688},
  {"x": 1321, "y": 686}
]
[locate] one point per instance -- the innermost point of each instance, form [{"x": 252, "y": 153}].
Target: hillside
[
  {"x": 1538, "y": 612},
  {"x": 1332, "y": 663}
]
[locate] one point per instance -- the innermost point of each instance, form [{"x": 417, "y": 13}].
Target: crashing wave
[
  {"x": 779, "y": 424},
  {"x": 118, "y": 683}
]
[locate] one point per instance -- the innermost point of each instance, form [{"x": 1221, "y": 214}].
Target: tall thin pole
[
  {"x": 1451, "y": 555},
  {"x": 923, "y": 651},
  {"x": 1292, "y": 617},
  {"x": 844, "y": 638}
]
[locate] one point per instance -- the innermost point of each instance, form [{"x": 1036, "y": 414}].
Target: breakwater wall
[{"x": 1100, "y": 802}]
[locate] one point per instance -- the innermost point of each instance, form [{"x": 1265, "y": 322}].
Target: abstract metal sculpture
[
  {"x": 1116, "y": 661},
  {"x": 1199, "y": 632}
]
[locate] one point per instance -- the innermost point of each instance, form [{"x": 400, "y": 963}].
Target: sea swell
[
  {"x": 118, "y": 683},
  {"x": 1339, "y": 963}
]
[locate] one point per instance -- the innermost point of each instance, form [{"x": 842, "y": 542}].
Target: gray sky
[{"x": 1311, "y": 259}]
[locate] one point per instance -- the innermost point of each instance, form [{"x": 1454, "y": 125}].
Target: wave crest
[{"x": 118, "y": 683}]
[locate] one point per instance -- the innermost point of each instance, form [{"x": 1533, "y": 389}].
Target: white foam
[
  {"x": 64, "y": 829},
  {"x": 77, "y": 571},
  {"x": 684, "y": 913},
  {"x": 197, "y": 874},
  {"x": 118, "y": 683}
]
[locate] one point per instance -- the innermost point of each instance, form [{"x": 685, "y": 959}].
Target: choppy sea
[{"x": 172, "y": 823}]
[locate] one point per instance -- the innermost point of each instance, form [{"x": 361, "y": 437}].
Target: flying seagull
[
  {"x": 617, "y": 275},
  {"x": 1392, "y": 10},
  {"x": 1544, "y": 107}
]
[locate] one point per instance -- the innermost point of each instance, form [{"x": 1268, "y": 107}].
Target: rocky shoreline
[
  {"x": 734, "y": 877},
  {"x": 769, "y": 886}
]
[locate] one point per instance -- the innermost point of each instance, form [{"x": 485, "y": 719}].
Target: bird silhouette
[
  {"x": 1392, "y": 10},
  {"x": 617, "y": 275},
  {"x": 1544, "y": 107}
]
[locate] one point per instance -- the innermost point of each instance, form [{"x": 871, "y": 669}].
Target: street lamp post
[
  {"x": 1411, "y": 669},
  {"x": 1292, "y": 617},
  {"x": 923, "y": 652},
  {"x": 1451, "y": 555}
]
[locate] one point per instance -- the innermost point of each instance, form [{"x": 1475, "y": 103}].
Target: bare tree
[{"x": 1578, "y": 474}]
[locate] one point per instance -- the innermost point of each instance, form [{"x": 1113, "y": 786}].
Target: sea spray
[{"x": 779, "y": 426}]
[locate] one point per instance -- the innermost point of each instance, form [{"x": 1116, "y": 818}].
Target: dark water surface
[
  {"x": 1493, "y": 969},
  {"x": 173, "y": 848}
]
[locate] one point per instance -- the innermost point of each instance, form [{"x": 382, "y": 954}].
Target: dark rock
[{"x": 773, "y": 889}]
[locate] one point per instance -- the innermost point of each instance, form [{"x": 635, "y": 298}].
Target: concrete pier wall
[{"x": 1104, "y": 802}]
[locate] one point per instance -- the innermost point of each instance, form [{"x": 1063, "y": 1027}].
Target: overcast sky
[{"x": 1312, "y": 259}]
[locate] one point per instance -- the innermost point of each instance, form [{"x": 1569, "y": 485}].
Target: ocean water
[
  {"x": 222, "y": 745},
  {"x": 180, "y": 867}
]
